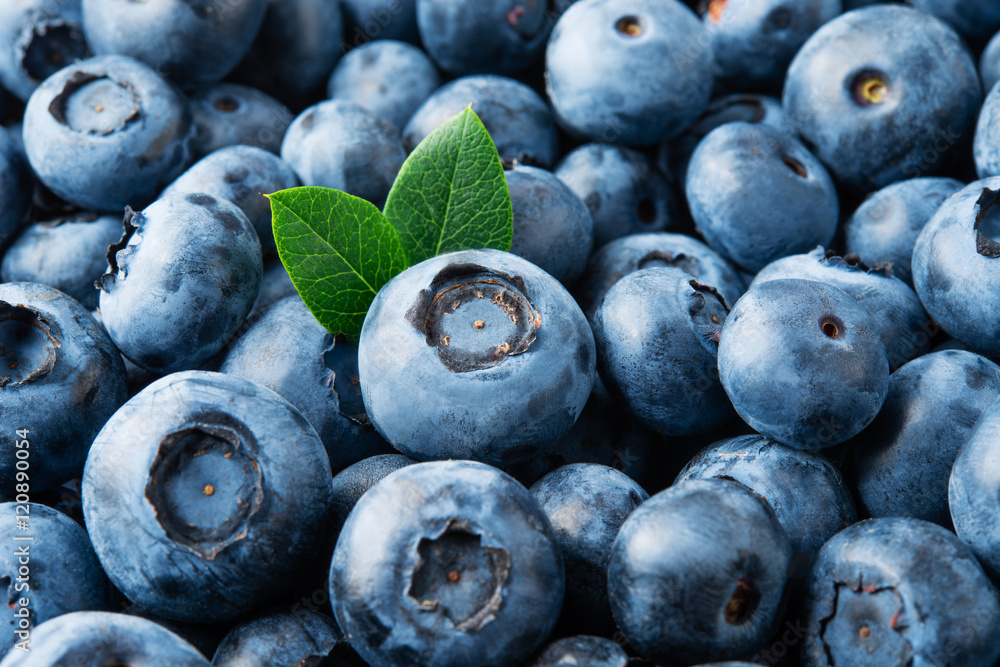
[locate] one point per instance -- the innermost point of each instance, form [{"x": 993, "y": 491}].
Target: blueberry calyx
[
  {"x": 226, "y": 104},
  {"x": 76, "y": 81},
  {"x": 832, "y": 326},
  {"x": 529, "y": 29},
  {"x": 742, "y": 603},
  {"x": 795, "y": 166},
  {"x": 714, "y": 9},
  {"x": 863, "y": 613},
  {"x": 986, "y": 245},
  {"x": 28, "y": 345},
  {"x": 629, "y": 26},
  {"x": 853, "y": 262},
  {"x": 514, "y": 15},
  {"x": 342, "y": 364},
  {"x": 105, "y": 106},
  {"x": 708, "y": 316},
  {"x": 131, "y": 222},
  {"x": 475, "y": 317},
  {"x": 708, "y": 289},
  {"x": 459, "y": 577},
  {"x": 850, "y": 261},
  {"x": 48, "y": 46},
  {"x": 205, "y": 485},
  {"x": 870, "y": 88},
  {"x": 678, "y": 261}
]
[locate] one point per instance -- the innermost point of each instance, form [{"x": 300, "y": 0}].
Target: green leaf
[
  {"x": 451, "y": 193},
  {"x": 338, "y": 250}
]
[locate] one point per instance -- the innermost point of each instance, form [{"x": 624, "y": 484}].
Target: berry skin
[
  {"x": 699, "y": 572},
  {"x": 477, "y": 354},
  {"x": 465, "y": 570},
  {"x": 192, "y": 265},
  {"x": 596, "y": 40},
  {"x": 803, "y": 363}
]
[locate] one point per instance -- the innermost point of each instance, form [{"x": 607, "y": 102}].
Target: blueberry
[
  {"x": 881, "y": 94},
  {"x": 387, "y": 77},
  {"x": 886, "y": 226},
  {"x": 675, "y": 155},
  {"x": 698, "y": 573},
  {"x": 986, "y": 144},
  {"x": 753, "y": 42},
  {"x": 205, "y": 41},
  {"x": 972, "y": 490},
  {"x": 68, "y": 254},
  {"x": 625, "y": 193},
  {"x": 587, "y": 504},
  {"x": 302, "y": 638},
  {"x": 900, "y": 464},
  {"x": 552, "y": 227},
  {"x": 226, "y": 114},
  {"x": 976, "y": 20},
  {"x": 15, "y": 185},
  {"x": 803, "y": 363},
  {"x": 657, "y": 333},
  {"x": 596, "y": 41},
  {"x": 900, "y": 592},
  {"x": 191, "y": 264},
  {"x": 354, "y": 481},
  {"x": 290, "y": 353},
  {"x": 68, "y": 575},
  {"x": 339, "y": 145},
  {"x": 295, "y": 50},
  {"x": 806, "y": 492},
  {"x": 516, "y": 117},
  {"x": 475, "y": 354},
  {"x": 241, "y": 175},
  {"x": 955, "y": 266},
  {"x": 204, "y": 495},
  {"x": 60, "y": 381},
  {"x": 631, "y": 253},
  {"x": 107, "y": 132},
  {"x": 757, "y": 194},
  {"x": 894, "y": 307},
  {"x": 367, "y": 20},
  {"x": 38, "y": 38},
  {"x": 103, "y": 638},
  {"x": 448, "y": 563},
  {"x": 581, "y": 651},
  {"x": 488, "y": 36},
  {"x": 989, "y": 63}
]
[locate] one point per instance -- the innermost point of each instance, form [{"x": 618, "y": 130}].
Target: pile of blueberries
[{"x": 732, "y": 395}]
